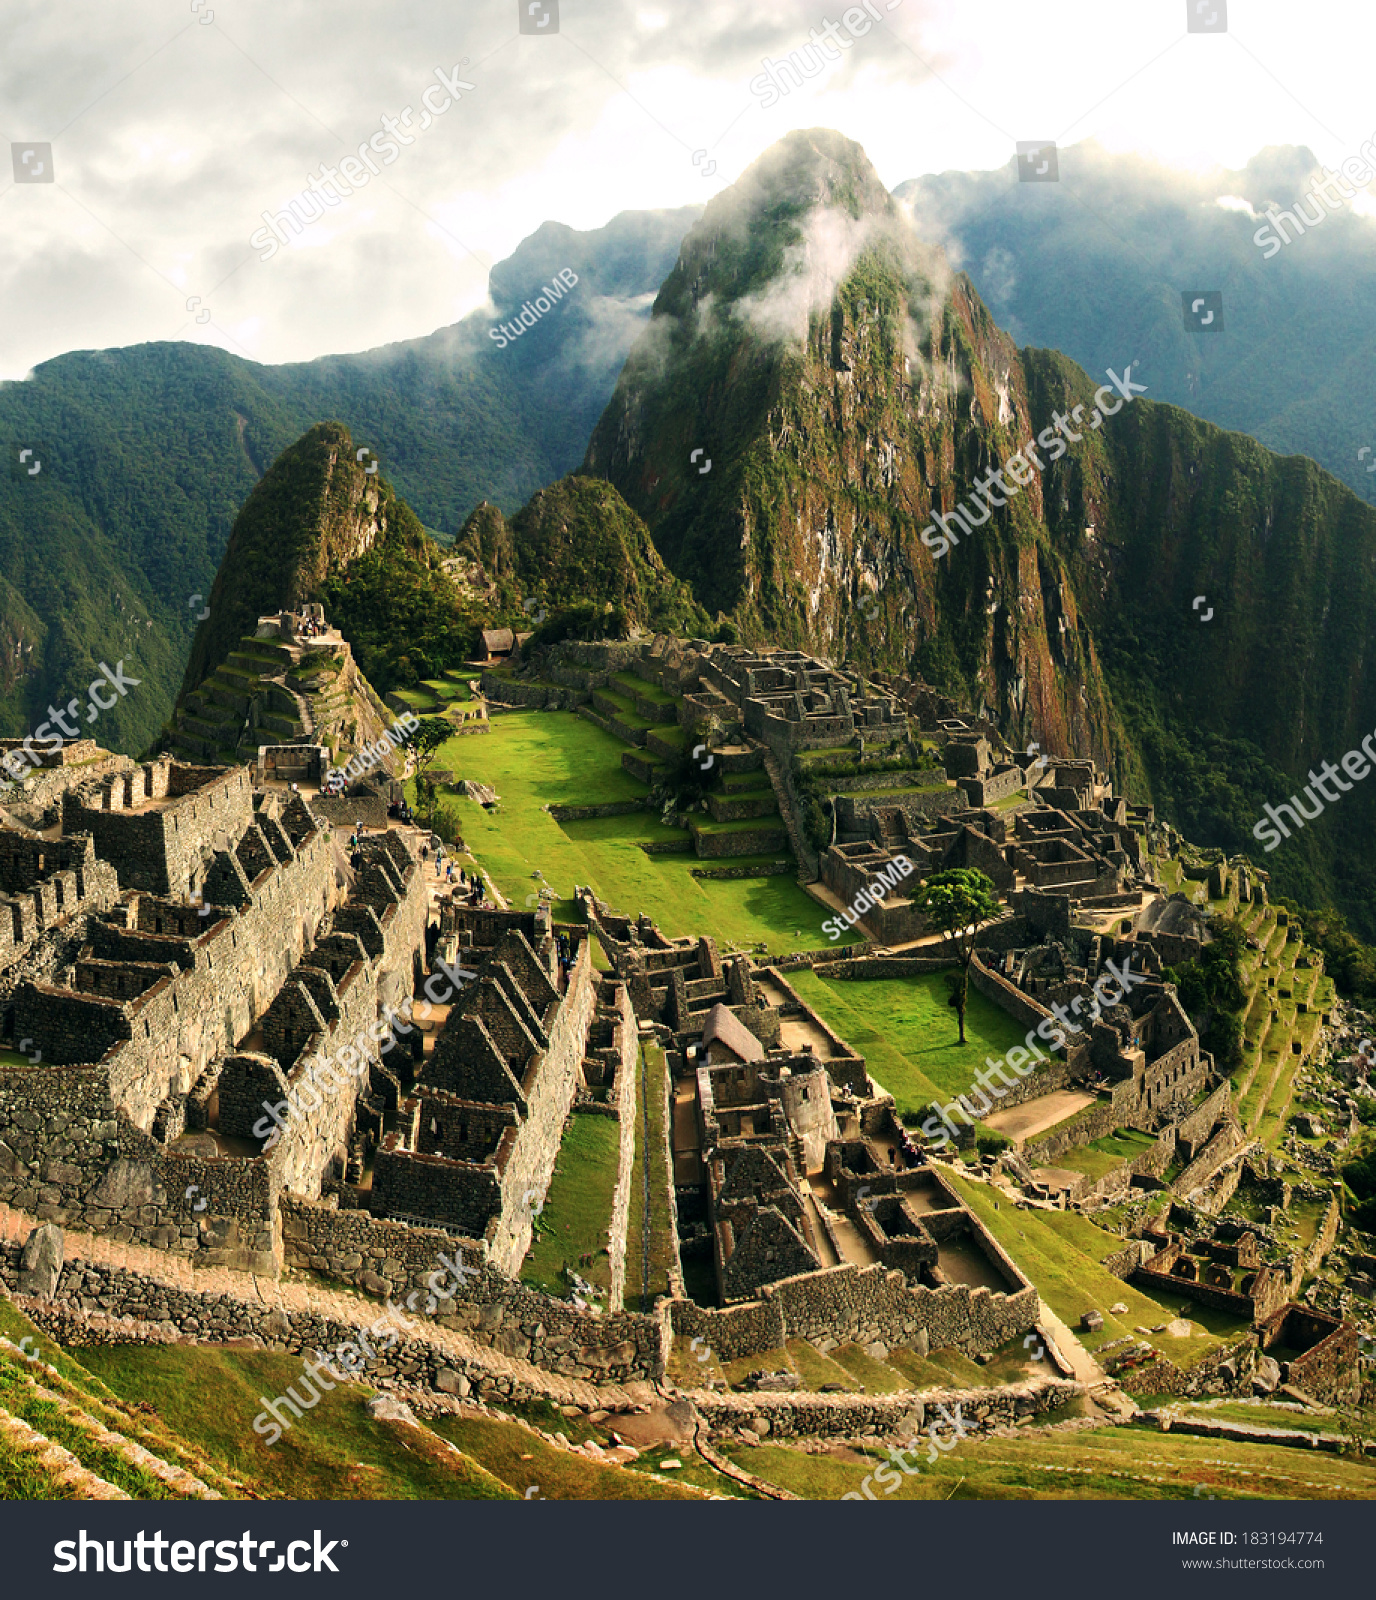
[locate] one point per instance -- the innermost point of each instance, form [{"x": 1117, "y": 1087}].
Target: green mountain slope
[
  {"x": 148, "y": 453},
  {"x": 575, "y": 542}
]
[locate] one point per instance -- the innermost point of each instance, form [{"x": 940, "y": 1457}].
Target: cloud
[{"x": 813, "y": 269}]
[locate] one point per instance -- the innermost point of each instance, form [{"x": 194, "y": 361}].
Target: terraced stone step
[{"x": 61, "y": 1468}]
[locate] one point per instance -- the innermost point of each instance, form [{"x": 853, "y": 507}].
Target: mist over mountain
[{"x": 1095, "y": 265}]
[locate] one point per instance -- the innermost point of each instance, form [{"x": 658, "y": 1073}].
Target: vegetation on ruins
[
  {"x": 1360, "y": 1177},
  {"x": 1350, "y": 962},
  {"x": 1214, "y": 993},
  {"x": 959, "y": 902}
]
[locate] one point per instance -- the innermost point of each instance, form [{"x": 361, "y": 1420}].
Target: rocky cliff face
[{"x": 845, "y": 386}]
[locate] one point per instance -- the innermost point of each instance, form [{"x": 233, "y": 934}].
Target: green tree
[
  {"x": 959, "y": 903},
  {"x": 425, "y": 744}
]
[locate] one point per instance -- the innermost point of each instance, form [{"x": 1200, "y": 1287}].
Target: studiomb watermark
[
  {"x": 393, "y": 738},
  {"x": 531, "y": 311},
  {"x": 869, "y": 897},
  {"x": 1270, "y": 830}
]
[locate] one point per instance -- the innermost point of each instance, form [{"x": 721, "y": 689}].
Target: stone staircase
[{"x": 809, "y": 863}]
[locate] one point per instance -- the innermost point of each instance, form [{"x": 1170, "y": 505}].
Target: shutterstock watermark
[
  {"x": 1355, "y": 764},
  {"x": 869, "y": 897},
  {"x": 355, "y": 1058},
  {"x": 770, "y": 86},
  {"x": 331, "y": 186},
  {"x": 545, "y": 301},
  {"x": 1023, "y": 1059},
  {"x": 1024, "y": 465},
  {"x": 885, "y": 1476},
  {"x": 17, "y": 762},
  {"x": 357, "y": 1354},
  {"x": 187, "y": 1555},
  {"x": 354, "y": 1355},
  {"x": 1356, "y": 169}
]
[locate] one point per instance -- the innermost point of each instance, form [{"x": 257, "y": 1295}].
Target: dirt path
[{"x": 1034, "y": 1116}]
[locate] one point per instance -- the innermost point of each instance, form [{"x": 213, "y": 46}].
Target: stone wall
[
  {"x": 625, "y": 1088},
  {"x": 1328, "y": 1369},
  {"x": 759, "y": 841},
  {"x": 50, "y": 881},
  {"x": 76, "y": 1144},
  {"x": 1095, "y": 1122},
  {"x": 536, "y": 1145},
  {"x": 848, "y": 1416},
  {"x": 611, "y": 808},
  {"x": 160, "y": 849},
  {"x": 1221, "y": 1371},
  {"x": 390, "y": 1260},
  {"x": 1023, "y": 1009},
  {"x": 861, "y": 1305}
]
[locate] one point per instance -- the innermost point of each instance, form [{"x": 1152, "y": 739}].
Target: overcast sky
[{"x": 172, "y": 134}]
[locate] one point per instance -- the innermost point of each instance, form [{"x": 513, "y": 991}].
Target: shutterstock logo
[{"x": 119, "y": 1555}]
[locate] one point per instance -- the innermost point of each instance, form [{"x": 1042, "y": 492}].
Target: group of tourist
[
  {"x": 308, "y": 627},
  {"x": 400, "y": 811}
]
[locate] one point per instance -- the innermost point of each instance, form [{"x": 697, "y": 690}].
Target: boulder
[
  {"x": 450, "y": 1382},
  {"x": 1118, "y": 1310},
  {"x": 1091, "y": 1321},
  {"x": 387, "y": 1408},
  {"x": 1266, "y": 1378},
  {"x": 40, "y": 1266}
]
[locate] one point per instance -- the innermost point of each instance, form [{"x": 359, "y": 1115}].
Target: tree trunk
[{"x": 962, "y": 989}]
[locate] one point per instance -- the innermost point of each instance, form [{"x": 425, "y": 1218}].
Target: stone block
[{"x": 40, "y": 1265}]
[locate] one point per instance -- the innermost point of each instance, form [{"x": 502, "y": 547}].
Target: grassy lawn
[
  {"x": 1061, "y": 1251},
  {"x": 540, "y": 758},
  {"x": 336, "y": 1451},
  {"x": 874, "y": 1377},
  {"x": 524, "y": 1461},
  {"x": 19, "y": 1397},
  {"x": 907, "y": 1032},
  {"x": 577, "y": 1208},
  {"x": 628, "y": 684},
  {"x": 1124, "y": 1463},
  {"x": 649, "y": 1244}
]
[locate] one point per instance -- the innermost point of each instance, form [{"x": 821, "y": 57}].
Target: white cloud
[
  {"x": 170, "y": 138},
  {"x": 1235, "y": 202}
]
